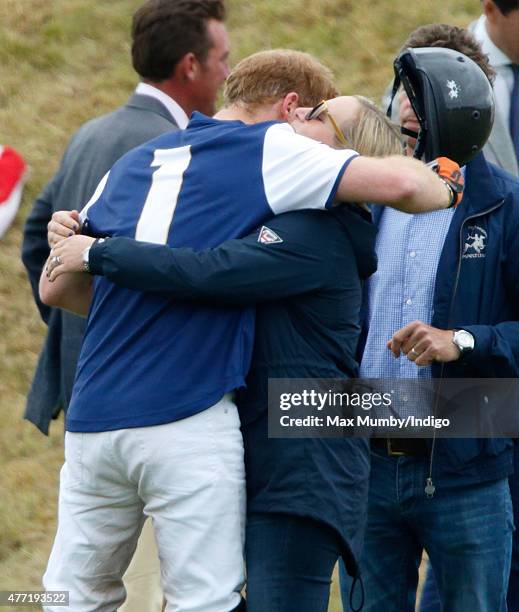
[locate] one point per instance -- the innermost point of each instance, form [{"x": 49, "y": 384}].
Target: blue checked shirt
[{"x": 401, "y": 291}]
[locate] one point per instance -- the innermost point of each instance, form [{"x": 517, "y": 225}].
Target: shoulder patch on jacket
[{"x": 268, "y": 236}]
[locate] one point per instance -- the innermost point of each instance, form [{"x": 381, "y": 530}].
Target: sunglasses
[{"x": 322, "y": 107}]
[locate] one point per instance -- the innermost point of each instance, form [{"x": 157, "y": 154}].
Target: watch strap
[{"x": 86, "y": 255}]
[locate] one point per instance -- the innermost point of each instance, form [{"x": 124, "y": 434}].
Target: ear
[
  {"x": 489, "y": 8},
  {"x": 187, "y": 69},
  {"x": 288, "y": 105}
]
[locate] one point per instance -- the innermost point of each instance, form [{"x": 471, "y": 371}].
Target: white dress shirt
[{"x": 177, "y": 112}]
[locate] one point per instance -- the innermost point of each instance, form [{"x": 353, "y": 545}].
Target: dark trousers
[
  {"x": 430, "y": 596},
  {"x": 467, "y": 532},
  {"x": 290, "y": 562}
]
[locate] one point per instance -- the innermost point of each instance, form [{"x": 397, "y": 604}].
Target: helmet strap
[
  {"x": 401, "y": 78},
  {"x": 396, "y": 85}
]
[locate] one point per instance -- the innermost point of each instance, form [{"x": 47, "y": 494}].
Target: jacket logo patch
[
  {"x": 475, "y": 243},
  {"x": 267, "y": 236}
]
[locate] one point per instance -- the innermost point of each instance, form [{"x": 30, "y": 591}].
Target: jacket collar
[
  {"x": 376, "y": 213},
  {"x": 482, "y": 191},
  {"x": 147, "y": 103}
]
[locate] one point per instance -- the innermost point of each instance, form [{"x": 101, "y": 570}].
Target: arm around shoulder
[
  {"x": 238, "y": 272},
  {"x": 397, "y": 181}
]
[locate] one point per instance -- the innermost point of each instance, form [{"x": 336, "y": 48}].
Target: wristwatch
[
  {"x": 464, "y": 340},
  {"x": 86, "y": 253},
  {"x": 453, "y": 195}
]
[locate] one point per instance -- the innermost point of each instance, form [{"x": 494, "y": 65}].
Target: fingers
[
  {"x": 394, "y": 347},
  {"x": 424, "y": 344},
  {"x": 425, "y": 358},
  {"x": 58, "y": 267},
  {"x": 414, "y": 342},
  {"x": 57, "y": 263},
  {"x": 67, "y": 256},
  {"x": 57, "y": 270},
  {"x": 53, "y": 262},
  {"x": 75, "y": 215},
  {"x": 64, "y": 223},
  {"x": 56, "y": 233},
  {"x": 418, "y": 352},
  {"x": 401, "y": 336}
]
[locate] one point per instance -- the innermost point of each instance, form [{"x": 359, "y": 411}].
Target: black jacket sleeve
[{"x": 244, "y": 271}]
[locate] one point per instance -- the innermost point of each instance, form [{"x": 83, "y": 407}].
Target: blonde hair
[
  {"x": 268, "y": 76},
  {"x": 373, "y": 134}
]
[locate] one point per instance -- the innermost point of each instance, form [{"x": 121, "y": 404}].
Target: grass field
[{"x": 65, "y": 61}]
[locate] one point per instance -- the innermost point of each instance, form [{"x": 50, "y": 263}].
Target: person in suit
[
  {"x": 497, "y": 30},
  {"x": 180, "y": 51}
]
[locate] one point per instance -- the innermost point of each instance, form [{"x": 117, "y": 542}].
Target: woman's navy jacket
[{"x": 303, "y": 270}]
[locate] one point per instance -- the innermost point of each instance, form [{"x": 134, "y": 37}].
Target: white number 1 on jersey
[{"x": 157, "y": 214}]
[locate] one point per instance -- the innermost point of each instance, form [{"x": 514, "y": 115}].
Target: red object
[
  {"x": 451, "y": 173},
  {"x": 12, "y": 173}
]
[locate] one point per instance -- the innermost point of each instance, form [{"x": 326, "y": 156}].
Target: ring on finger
[{"x": 414, "y": 352}]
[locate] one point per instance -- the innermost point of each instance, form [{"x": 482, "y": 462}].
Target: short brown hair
[
  {"x": 506, "y": 6},
  {"x": 451, "y": 37},
  {"x": 163, "y": 31},
  {"x": 268, "y": 76}
]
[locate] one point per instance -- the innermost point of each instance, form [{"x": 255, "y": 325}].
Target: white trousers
[
  {"x": 188, "y": 476},
  {"x": 142, "y": 578}
]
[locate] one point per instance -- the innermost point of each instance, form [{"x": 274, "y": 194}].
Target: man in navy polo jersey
[
  {"x": 304, "y": 272},
  {"x": 152, "y": 427}
]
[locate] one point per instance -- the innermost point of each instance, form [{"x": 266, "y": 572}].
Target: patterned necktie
[{"x": 514, "y": 110}]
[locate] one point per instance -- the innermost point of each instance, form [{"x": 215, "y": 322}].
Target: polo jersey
[{"x": 147, "y": 359}]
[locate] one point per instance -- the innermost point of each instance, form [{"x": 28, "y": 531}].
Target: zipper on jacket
[{"x": 430, "y": 489}]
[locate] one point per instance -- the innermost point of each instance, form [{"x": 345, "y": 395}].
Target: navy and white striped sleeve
[{"x": 299, "y": 172}]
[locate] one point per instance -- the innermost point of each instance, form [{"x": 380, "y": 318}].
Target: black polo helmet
[{"x": 452, "y": 98}]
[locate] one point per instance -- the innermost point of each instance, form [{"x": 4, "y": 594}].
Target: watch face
[{"x": 464, "y": 340}]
